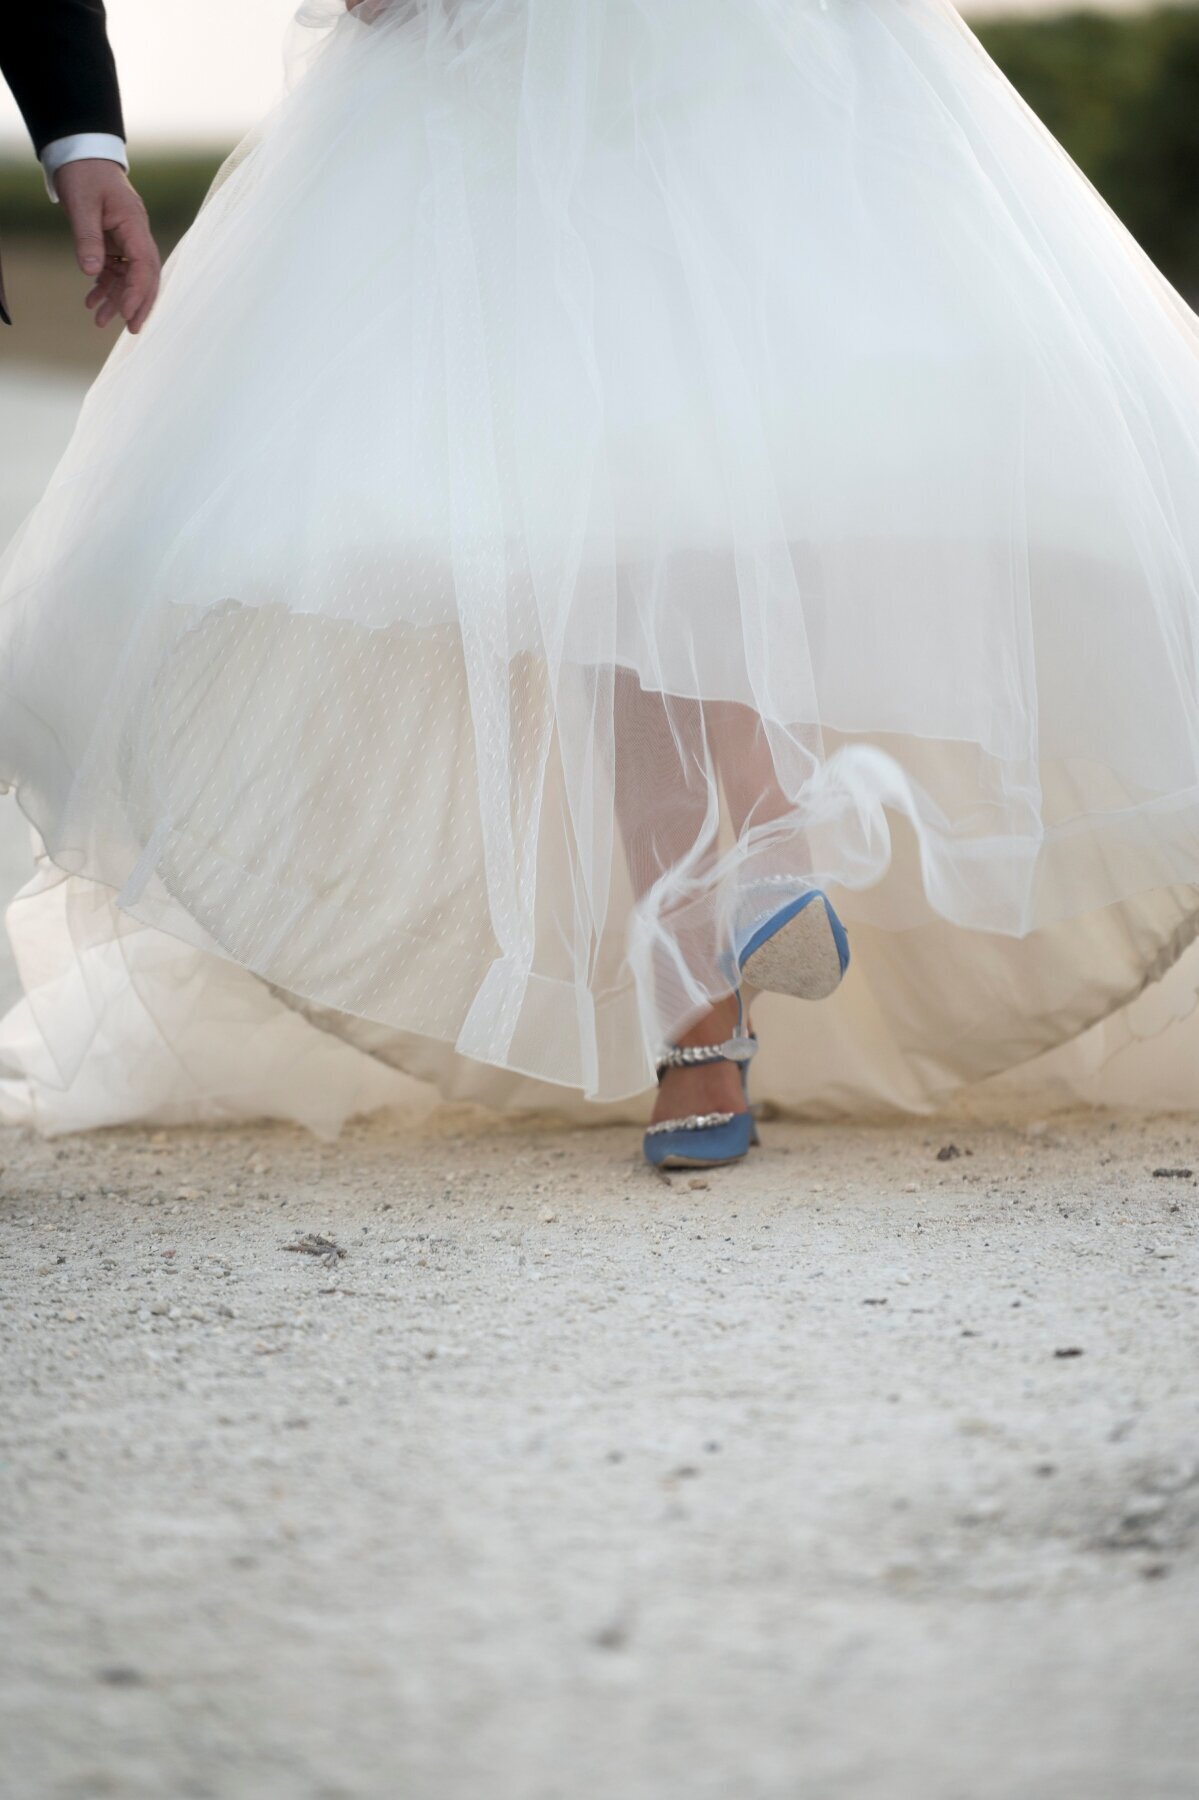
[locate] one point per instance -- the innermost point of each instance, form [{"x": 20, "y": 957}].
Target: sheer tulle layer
[{"x": 594, "y": 459}]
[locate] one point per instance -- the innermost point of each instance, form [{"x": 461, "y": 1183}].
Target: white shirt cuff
[{"x": 83, "y": 144}]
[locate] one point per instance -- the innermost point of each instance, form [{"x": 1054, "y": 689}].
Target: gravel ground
[{"x": 450, "y": 1462}]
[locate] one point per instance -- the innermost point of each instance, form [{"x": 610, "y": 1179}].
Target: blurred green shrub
[{"x": 1121, "y": 93}]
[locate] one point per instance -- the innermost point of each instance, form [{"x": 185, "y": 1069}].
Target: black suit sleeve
[{"x": 55, "y": 56}]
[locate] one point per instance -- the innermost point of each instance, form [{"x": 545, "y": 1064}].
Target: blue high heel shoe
[
  {"x": 705, "y": 1140},
  {"x": 800, "y": 949}
]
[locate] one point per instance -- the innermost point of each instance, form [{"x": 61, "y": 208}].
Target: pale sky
[
  {"x": 204, "y": 70},
  {"x": 191, "y": 69}
]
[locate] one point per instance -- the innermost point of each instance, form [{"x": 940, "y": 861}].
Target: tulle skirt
[{"x": 593, "y": 462}]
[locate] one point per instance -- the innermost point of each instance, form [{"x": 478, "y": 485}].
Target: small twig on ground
[{"x": 313, "y": 1245}]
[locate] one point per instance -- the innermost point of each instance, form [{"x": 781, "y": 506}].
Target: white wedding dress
[{"x": 589, "y": 457}]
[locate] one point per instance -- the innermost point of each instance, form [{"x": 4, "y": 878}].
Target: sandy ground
[{"x": 865, "y": 1471}]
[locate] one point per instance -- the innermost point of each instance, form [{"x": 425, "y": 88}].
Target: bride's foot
[{"x": 707, "y": 1087}]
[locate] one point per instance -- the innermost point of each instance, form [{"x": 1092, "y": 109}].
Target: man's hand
[{"x": 112, "y": 240}]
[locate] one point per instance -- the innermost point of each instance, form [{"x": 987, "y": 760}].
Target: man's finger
[
  {"x": 143, "y": 313},
  {"x": 111, "y": 286},
  {"x": 136, "y": 302},
  {"x": 108, "y": 307},
  {"x": 148, "y": 304},
  {"x": 134, "y": 288},
  {"x": 89, "y": 241},
  {"x": 101, "y": 288},
  {"x": 140, "y": 273}
]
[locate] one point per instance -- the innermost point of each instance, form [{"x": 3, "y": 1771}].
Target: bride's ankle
[
  {"x": 706, "y": 1087},
  {"x": 714, "y": 1027}
]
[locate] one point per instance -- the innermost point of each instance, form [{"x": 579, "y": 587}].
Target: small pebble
[
  {"x": 1143, "y": 1509},
  {"x": 982, "y": 1512}
]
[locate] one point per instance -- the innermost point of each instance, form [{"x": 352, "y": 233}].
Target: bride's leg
[
  {"x": 804, "y": 952},
  {"x": 662, "y": 803},
  {"x": 745, "y": 763}
]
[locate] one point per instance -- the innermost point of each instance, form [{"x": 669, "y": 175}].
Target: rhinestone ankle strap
[
  {"x": 693, "y": 1122},
  {"x": 741, "y": 1048}
]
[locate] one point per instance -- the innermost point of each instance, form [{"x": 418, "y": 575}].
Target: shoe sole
[
  {"x": 802, "y": 958},
  {"x": 699, "y": 1162}
]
